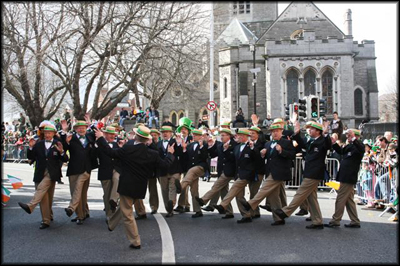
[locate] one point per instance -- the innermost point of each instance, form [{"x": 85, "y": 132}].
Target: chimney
[{"x": 348, "y": 25}]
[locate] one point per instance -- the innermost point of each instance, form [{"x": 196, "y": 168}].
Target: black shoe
[
  {"x": 108, "y": 226},
  {"x": 330, "y": 225},
  {"x": 200, "y": 201},
  {"x": 113, "y": 205},
  {"x": 244, "y": 220},
  {"x": 352, "y": 225},
  {"x": 178, "y": 186},
  {"x": 308, "y": 219},
  {"x": 74, "y": 220},
  {"x": 104, "y": 209},
  {"x": 187, "y": 209},
  {"x": 281, "y": 214},
  {"x": 245, "y": 204},
  {"x": 281, "y": 222},
  {"x": 302, "y": 212},
  {"x": 153, "y": 211},
  {"x": 208, "y": 208},
  {"x": 87, "y": 216},
  {"x": 141, "y": 217},
  {"x": 220, "y": 209},
  {"x": 134, "y": 247},
  {"x": 170, "y": 206},
  {"x": 79, "y": 221},
  {"x": 256, "y": 216},
  {"x": 179, "y": 209},
  {"x": 170, "y": 214},
  {"x": 228, "y": 216},
  {"x": 266, "y": 207},
  {"x": 25, "y": 207},
  {"x": 51, "y": 219},
  {"x": 197, "y": 214},
  {"x": 313, "y": 226},
  {"x": 44, "y": 226},
  {"x": 68, "y": 211}
]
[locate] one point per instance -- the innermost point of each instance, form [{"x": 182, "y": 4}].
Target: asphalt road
[{"x": 207, "y": 239}]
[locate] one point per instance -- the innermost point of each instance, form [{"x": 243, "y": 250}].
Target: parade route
[{"x": 182, "y": 239}]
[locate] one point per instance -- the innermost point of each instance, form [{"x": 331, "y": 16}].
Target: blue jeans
[
  {"x": 121, "y": 121},
  {"x": 151, "y": 121},
  {"x": 382, "y": 187}
]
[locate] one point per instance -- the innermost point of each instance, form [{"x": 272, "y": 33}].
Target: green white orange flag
[
  {"x": 15, "y": 181},
  {"x": 5, "y": 194}
]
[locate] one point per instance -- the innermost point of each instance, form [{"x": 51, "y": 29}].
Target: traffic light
[
  {"x": 288, "y": 111},
  {"x": 302, "y": 109},
  {"x": 322, "y": 107},
  {"x": 314, "y": 106}
]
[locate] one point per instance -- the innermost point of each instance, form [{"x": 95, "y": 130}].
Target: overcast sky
[{"x": 371, "y": 21}]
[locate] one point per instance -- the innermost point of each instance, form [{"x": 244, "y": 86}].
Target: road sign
[{"x": 211, "y": 106}]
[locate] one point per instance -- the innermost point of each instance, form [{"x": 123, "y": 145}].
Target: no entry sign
[{"x": 211, "y": 106}]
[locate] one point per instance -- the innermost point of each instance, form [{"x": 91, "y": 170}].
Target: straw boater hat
[
  {"x": 80, "y": 123},
  {"x": 50, "y": 127},
  {"x": 116, "y": 126},
  {"x": 226, "y": 124},
  {"x": 243, "y": 131},
  {"x": 356, "y": 132},
  {"x": 226, "y": 130},
  {"x": 153, "y": 130},
  {"x": 256, "y": 129},
  {"x": 143, "y": 131},
  {"x": 275, "y": 126},
  {"x": 278, "y": 120},
  {"x": 314, "y": 125},
  {"x": 110, "y": 130},
  {"x": 197, "y": 132},
  {"x": 166, "y": 128}
]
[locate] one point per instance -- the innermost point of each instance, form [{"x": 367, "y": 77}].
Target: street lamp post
[{"x": 253, "y": 49}]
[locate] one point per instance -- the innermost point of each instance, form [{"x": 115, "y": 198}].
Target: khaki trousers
[
  {"x": 237, "y": 190},
  {"x": 153, "y": 198},
  {"x": 282, "y": 196},
  {"x": 140, "y": 209},
  {"x": 79, "y": 185},
  {"x": 220, "y": 188},
  {"x": 191, "y": 179},
  {"x": 271, "y": 189},
  {"x": 254, "y": 186},
  {"x": 307, "y": 190},
  {"x": 44, "y": 195},
  {"x": 168, "y": 188},
  {"x": 110, "y": 192},
  {"x": 131, "y": 229},
  {"x": 186, "y": 192},
  {"x": 345, "y": 198}
]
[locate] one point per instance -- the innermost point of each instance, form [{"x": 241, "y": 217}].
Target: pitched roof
[
  {"x": 236, "y": 33},
  {"x": 301, "y": 15}
]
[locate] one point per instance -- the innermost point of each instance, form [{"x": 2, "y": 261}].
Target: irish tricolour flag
[
  {"x": 15, "y": 181},
  {"x": 5, "y": 194}
]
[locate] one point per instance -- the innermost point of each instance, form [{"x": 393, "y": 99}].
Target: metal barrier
[{"x": 15, "y": 153}]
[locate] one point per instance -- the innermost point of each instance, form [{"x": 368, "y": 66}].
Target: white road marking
[{"x": 168, "y": 249}]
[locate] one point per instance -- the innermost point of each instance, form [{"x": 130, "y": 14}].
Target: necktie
[
  {"x": 48, "y": 141},
  {"x": 311, "y": 140}
]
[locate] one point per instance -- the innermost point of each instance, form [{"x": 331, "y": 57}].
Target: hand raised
[
  {"x": 32, "y": 143},
  {"x": 278, "y": 148},
  {"x": 171, "y": 148},
  {"x": 59, "y": 147},
  {"x": 64, "y": 125},
  {"x": 263, "y": 152}
]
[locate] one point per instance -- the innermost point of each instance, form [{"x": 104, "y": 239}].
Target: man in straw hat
[
  {"x": 352, "y": 154},
  {"x": 245, "y": 158},
  {"x": 195, "y": 156},
  {"x": 81, "y": 163},
  {"x": 169, "y": 177},
  {"x": 225, "y": 168},
  {"x": 137, "y": 165},
  {"x": 314, "y": 172},
  {"x": 48, "y": 155},
  {"x": 279, "y": 153},
  {"x": 109, "y": 172}
]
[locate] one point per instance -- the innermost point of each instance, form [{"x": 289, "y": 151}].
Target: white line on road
[{"x": 168, "y": 249}]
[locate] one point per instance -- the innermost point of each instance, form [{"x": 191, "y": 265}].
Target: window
[
  {"x": 327, "y": 91},
  {"x": 225, "y": 88},
  {"x": 358, "y": 102},
  {"x": 309, "y": 83},
  {"x": 241, "y": 7},
  {"x": 174, "y": 119},
  {"x": 292, "y": 80},
  {"x": 181, "y": 114}
]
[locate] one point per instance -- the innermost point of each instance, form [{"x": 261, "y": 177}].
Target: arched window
[
  {"x": 292, "y": 80},
  {"x": 327, "y": 91},
  {"x": 309, "y": 83},
  {"x": 358, "y": 102},
  {"x": 181, "y": 114},
  {"x": 225, "y": 87},
  {"x": 174, "y": 119}
]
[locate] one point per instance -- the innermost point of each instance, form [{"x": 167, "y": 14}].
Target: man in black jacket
[
  {"x": 48, "y": 155},
  {"x": 137, "y": 165},
  {"x": 169, "y": 177},
  {"x": 279, "y": 154},
  {"x": 352, "y": 154},
  {"x": 109, "y": 171},
  {"x": 81, "y": 163},
  {"x": 226, "y": 169},
  {"x": 245, "y": 158},
  {"x": 195, "y": 156},
  {"x": 314, "y": 171}
]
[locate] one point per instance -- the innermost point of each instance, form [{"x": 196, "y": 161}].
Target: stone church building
[{"x": 298, "y": 53}]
